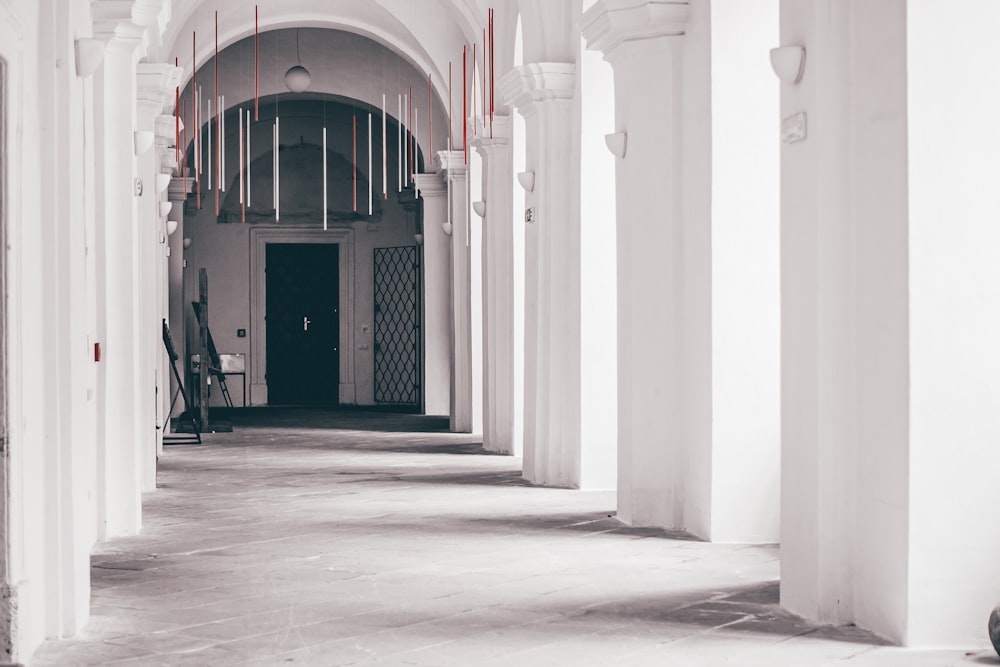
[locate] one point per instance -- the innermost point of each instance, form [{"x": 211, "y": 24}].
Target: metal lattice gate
[{"x": 397, "y": 326}]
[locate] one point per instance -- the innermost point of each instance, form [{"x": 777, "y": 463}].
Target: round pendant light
[{"x": 297, "y": 78}]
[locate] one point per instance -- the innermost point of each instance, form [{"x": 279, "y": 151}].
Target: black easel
[
  {"x": 214, "y": 363},
  {"x": 177, "y": 438}
]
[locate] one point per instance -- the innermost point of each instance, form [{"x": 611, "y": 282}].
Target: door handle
[{"x": 305, "y": 323}]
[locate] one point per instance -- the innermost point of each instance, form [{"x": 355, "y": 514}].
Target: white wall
[
  {"x": 954, "y": 321},
  {"x": 745, "y": 290}
]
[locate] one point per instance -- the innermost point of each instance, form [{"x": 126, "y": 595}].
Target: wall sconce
[
  {"x": 446, "y": 226},
  {"x": 165, "y": 207},
  {"x": 789, "y": 62},
  {"x": 89, "y": 56},
  {"x": 617, "y": 143},
  {"x": 143, "y": 141},
  {"x": 187, "y": 242},
  {"x": 480, "y": 208},
  {"x": 162, "y": 181},
  {"x": 527, "y": 180},
  {"x": 171, "y": 227}
]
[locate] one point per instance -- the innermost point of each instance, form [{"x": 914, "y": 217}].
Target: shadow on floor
[
  {"x": 354, "y": 418},
  {"x": 752, "y": 609}
]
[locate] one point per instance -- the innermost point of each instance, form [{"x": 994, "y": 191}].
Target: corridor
[{"x": 356, "y": 538}]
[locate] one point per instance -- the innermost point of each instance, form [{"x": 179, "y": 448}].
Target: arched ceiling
[{"x": 426, "y": 33}]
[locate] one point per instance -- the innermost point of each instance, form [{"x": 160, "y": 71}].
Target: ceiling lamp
[{"x": 297, "y": 78}]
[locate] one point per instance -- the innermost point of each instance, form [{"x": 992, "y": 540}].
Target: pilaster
[
  {"x": 653, "y": 425},
  {"x": 454, "y": 171},
  {"x": 122, "y": 395},
  {"x": 177, "y": 194},
  {"x": 155, "y": 83},
  {"x": 436, "y": 267},
  {"x": 544, "y": 93},
  {"x": 498, "y": 289}
]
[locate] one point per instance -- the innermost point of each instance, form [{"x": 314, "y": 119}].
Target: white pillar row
[
  {"x": 436, "y": 264},
  {"x": 453, "y": 169},
  {"x": 155, "y": 84},
  {"x": 554, "y": 445},
  {"x": 697, "y": 293},
  {"x": 119, "y": 388},
  {"x": 888, "y": 344},
  {"x": 498, "y": 288}
]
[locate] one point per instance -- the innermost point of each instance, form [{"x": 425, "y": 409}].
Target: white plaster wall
[
  {"x": 745, "y": 289},
  {"x": 954, "y": 288}
]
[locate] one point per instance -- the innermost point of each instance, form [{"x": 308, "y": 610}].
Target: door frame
[{"x": 260, "y": 237}]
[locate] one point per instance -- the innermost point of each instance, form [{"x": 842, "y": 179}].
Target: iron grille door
[{"x": 397, "y": 326}]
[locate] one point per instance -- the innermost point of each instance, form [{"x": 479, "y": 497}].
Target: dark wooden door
[{"x": 303, "y": 323}]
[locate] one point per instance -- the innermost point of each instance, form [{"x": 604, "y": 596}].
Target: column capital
[
  {"x": 154, "y": 87},
  {"x": 431, "y": 186},
  {"x": 451, "y": 164},
  {"x": 612, "y": 23},
  {"x": 130, "y": 24},
  {"x": 526, "y": 85},
  {"x": 500, "y": 139}
]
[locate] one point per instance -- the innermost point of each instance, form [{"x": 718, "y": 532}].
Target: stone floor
[{"x": 352, "y": 538}]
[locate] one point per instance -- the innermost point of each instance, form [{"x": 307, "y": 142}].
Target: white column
[
  {"x": 177, "y": 195},
  {"x": 889, "y": 353},
  {"x": 544, "y": 93},
  {"x": 155, "y": 84},
  {"x": 697, "y": 278},
  {"x": 498, "y": 289},
  {"x": 844, "y": 357},
  {"x": 437, "y": 295},
  {"x": 651, "y": 389},
  {"x": 166, "y": 163},
  {"x": 455, "y": 172},
  {"x": 119, "y": 389},
  {"x": 53, "y": 471}
]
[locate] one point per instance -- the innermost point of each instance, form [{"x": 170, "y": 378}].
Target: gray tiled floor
[{"x": 358, "y": 539}]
